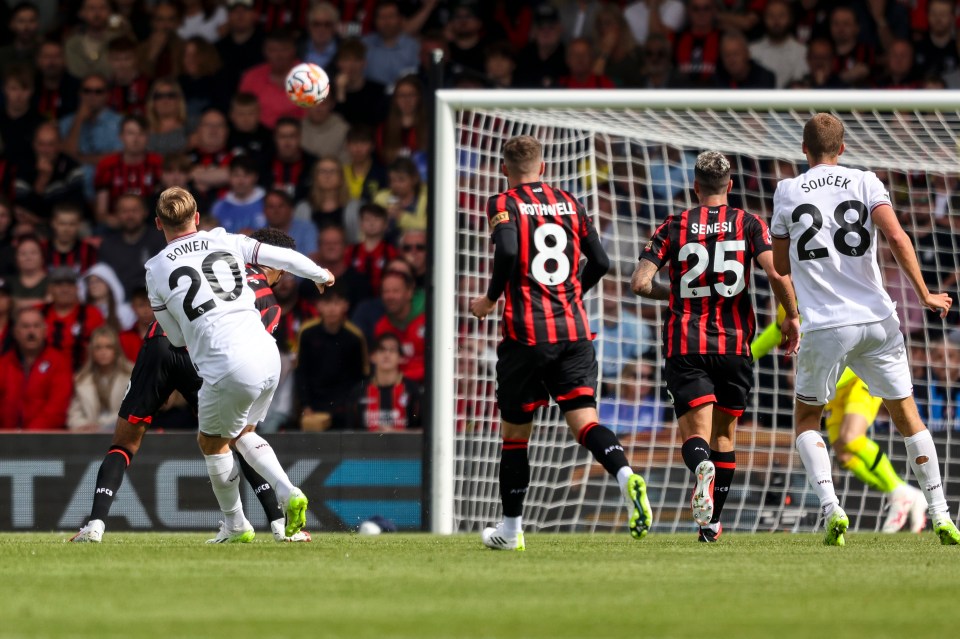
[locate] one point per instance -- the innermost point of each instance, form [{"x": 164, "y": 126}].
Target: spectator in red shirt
[
  {"x": 6, "y": 315},
  {"x": 128, "y": 88},
  {"x": 371, "y": 255},
  {"x": 69, "y": 321},
  {"x": 65, "y": 246},
  {"x": 401, "y": 320},
  {"x": 35, "y": 380},
  {"x": 132, "y": 339},
  {"x": 580, "y": 62},
  {"x": 696, "y": 50},
  {"x": 133, "y": 170},
  {"x": 268, "y": 80},
  {"x": 291, "y": 167},
  {"x": 387, "y": 401}
]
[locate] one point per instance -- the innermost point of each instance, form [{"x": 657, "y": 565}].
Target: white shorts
[
  {"x": 240, "y": 399},
  {"x": 874, "y": 351}
]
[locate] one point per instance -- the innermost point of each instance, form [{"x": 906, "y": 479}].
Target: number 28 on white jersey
[{"x": 826, "y": 214}]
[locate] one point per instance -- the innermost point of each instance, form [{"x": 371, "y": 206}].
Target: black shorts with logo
[
  {"x": 724, "y": 380},
  {"x": 161, "y": 368},
  {"x": 528, "y": 376}
]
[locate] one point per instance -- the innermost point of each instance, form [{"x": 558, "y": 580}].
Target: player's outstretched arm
[
  {"x": 902, "y": 248},
  {"x": 287, "y": 260},
  {"x": 505, "y": 251},
  {"x": 642, "y": 283},
  {"x": 783, "y": 290}
]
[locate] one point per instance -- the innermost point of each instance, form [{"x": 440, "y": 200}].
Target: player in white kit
[
  {"x": 197, "y": 289},
  {"x": 825, "y": 235}
]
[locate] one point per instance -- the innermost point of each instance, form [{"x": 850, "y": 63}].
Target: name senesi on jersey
[
  {"x": 186, "y": 248},
  {"x": 829, "y": 180},
  {"x": 715, "y": 227},
  {"x": 560, "y": 208}
]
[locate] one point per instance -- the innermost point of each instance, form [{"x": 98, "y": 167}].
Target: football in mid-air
[{"x": 307, "y": 85}]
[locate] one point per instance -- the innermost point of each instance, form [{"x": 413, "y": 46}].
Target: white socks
[
  {"x": 512, "y": 525},
  {"x": 224, "y": 477},
  {"x": 622, "y": 476},
  {"x": 259, "y": 454},
  {"x": 816, "y": 461},
  {"x": 928, "y": 472}
]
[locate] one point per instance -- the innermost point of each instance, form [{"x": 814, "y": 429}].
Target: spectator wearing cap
[
  {"x": 466, "y": 36},
  {"x": 127, "y": 248},
  {"x": 35, "y": 379},
  {"x": 268, "y": 80},
  {"x": 30, "y": 283},
  {"x": 320, "y": 45},
  {"x": 69, "y": 321},
  {"x": 242, "y": 44},
  {"x": 278, "y": 212},
  {"x": 6, "y": 315},
  {"x": 580, "y": 61},
  {"x": 401, "y": 319},
  {"x": 331, "y": 363},
  {"x": 391, "y": 53},
  {"x": 387, "y": 401},
  {"x": 542, "y": 62},
  {"x": 405, "y": 199},
  {"x": 359, "y": 100}
]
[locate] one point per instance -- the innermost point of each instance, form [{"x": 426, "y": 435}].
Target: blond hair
[
  {"x": 176, "y": 208},
  {"x": 522, "y": 154},
  {"x": 823, "y": 135},
  {"x": 712, "y": 172}
]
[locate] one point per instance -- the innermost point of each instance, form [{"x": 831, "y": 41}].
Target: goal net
[{"x": 629, "y": 157}]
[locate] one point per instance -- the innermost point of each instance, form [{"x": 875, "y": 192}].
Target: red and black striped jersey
[
  {"x": 697, "y": 55},
  {"x": 82, "y": 256},
  {"x": 544, "y": 296},
  {"x": 385, "y": 408},
  {"x": 130, "y": 99},
  {"x": 266, "y": 303},
  {"x": 293, "y": 178},
  {"x": 289, "y": 14},
  {"x": 709, "y": 251},
  {"x": 118, "y": 178}
]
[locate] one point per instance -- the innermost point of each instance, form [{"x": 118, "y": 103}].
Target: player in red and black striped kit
[
  {"x": 540, "y": 234},
  {"x": 161, "y": 369},
  {"x": 706, "y": 339}
]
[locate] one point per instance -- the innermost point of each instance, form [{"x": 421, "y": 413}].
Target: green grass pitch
[{"x": 173, "y": 585}]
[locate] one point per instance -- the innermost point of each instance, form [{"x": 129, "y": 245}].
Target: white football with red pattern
[{"x": 307, "y": 85}]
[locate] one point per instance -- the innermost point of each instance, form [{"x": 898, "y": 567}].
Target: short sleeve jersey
[
  {"x": 709, "y": 251},
  {"x": 200, "y": 280},
  {"x": 826, "y": 214}
]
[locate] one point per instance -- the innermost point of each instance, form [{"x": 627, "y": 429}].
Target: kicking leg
[
  {"x": 260, "y": 455},
  {"x": 606, "y": 449},
  {"x": 126, "y": 443}
]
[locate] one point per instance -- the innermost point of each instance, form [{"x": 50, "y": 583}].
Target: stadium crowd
[{"x": 104, "y": 104}]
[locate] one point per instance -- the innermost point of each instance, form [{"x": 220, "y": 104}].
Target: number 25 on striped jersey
[
  {"x": 545, "y": 253},
  {"x": 721, "y": 266}
]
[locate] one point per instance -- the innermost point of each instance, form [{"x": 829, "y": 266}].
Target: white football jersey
[{"x": 826, "y": 214}]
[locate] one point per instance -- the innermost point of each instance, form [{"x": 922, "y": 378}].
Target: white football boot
[
  {"x": 91, "y": 533},
  {"x": 279, "y": 534},
  {"x": 242, "y": 536},
  {"x": 496, "y": 539}
]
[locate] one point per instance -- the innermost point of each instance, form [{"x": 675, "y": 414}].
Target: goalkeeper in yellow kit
[{"x": 849, "y": 415}]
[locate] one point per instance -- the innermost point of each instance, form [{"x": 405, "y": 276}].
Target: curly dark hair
[{"x": 274, "y": 237}]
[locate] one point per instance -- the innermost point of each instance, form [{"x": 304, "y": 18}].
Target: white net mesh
[{"x": 632, "y": 167}]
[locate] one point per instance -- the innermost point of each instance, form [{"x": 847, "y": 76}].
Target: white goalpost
[{"x": 628, "y": 156}]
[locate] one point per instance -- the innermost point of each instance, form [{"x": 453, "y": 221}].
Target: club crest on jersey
[{"x": 499, "y": 218}]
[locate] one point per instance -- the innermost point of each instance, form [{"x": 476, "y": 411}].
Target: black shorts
[
  {"x": 528, "y": 376},
  {"x": 724, "y": 380},
  {"x": 161, "y": 368}
]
